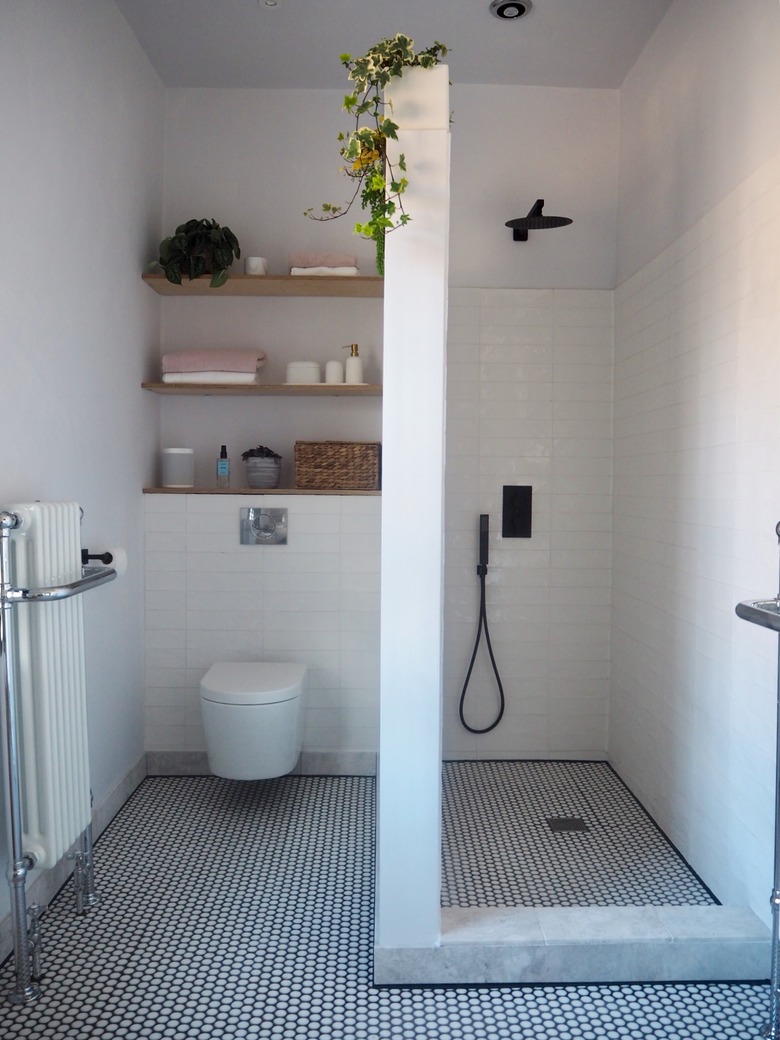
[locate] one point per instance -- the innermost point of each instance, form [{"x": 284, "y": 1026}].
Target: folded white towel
[
  {"x": 325, "y": 258},
  {"x": 209, "y": 377},
  {"x": 324, "y": 270}
]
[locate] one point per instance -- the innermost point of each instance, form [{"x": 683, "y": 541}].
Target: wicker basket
[{"x": 337, "y": 465}]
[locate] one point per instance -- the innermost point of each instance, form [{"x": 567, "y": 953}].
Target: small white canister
[
  {"x": 255, "y": 265},
  {"x": 178, "y": 467},
  {"x": 334, "y": 372},
  {"x": 304, "y": 372}
]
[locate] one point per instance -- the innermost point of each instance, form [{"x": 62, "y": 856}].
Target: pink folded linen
[
  {"x": 312, "y": 259},
  {"x": 231, "y": 360}
]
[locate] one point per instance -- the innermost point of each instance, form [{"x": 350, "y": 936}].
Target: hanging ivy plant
[{"x": 379, "y": 183}]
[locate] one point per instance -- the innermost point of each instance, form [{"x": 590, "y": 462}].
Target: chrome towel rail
[{"x": 26, "y": 945}]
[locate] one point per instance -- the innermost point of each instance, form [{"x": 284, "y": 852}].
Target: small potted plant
[
  {"x": 263, "y": 467},
  {"x": 379, "y": 183},
  {"x": 197, "y": 247}
]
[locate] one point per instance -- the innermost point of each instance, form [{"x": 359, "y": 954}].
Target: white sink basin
[{"x": 764, "y": 612}]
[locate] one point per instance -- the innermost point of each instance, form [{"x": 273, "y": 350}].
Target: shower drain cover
[{"x": 567, "y": 823}]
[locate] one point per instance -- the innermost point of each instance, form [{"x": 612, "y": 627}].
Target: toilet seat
[{"x": 254, "y": 682}]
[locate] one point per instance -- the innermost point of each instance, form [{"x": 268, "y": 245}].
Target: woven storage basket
[{"x": 337, "y": 465}]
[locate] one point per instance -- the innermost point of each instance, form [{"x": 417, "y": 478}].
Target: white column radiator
[{"x": 51, "y": 682}]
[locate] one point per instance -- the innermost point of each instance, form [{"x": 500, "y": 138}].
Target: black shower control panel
[{"x": 516, "y": 514}]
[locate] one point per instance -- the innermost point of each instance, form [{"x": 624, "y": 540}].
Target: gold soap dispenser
[{"x": 354, "y": 367}]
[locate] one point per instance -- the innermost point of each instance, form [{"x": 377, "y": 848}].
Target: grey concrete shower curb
[{"x": 585, "y": 944}]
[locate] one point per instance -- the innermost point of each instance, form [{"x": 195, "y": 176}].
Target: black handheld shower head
[
  {"x": 484, "y": 539},
  {"x": 534, "y": 221}
]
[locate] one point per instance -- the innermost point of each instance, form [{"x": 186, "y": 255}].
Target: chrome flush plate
[{"x": 261, "y": 526}]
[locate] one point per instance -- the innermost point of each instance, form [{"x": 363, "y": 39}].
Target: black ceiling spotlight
[
  {"x": 535, "y": 221},
  {"x": 508, "y": 10}
]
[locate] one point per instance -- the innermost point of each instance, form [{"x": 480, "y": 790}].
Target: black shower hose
[{"x": 483, "y": 624}]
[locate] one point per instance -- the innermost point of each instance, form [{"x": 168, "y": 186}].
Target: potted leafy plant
[
  {"x": 197, "y": 247},
  {"x": 379, "y": 183},
  {"x": 263, "y": 467}
]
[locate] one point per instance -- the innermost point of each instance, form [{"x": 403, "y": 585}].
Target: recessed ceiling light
[{"x": 508, "y": 10}]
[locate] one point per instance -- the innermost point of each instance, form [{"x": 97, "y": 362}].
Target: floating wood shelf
[
  {"x": 254, "y": 491},
  {"x": 271, "y": 285},
  {"x": 266, "y": 389}
]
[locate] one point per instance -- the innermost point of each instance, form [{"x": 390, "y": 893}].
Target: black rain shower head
[{"x": 535, "y": 221}]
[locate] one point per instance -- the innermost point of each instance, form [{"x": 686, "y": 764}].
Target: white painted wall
[
  {"x": 539, "y": 375},
  {"x": 288, "y": 330},
  {"x": 696, "y": 117},
  {"x": 267, "y": 155},
  {"x": 514, "y": 145},
  {"x": 697, "y": 381},
  {"x": 81, "y": 172}
]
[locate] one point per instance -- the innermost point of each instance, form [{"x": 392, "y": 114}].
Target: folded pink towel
[
  {"x": 312, "y": 259},
  {"x": 232, "y": 360}
]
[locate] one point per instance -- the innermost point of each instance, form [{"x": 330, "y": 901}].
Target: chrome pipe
[
  {"x": 90, "y": 579},
  {"x": 78, "y": 880},
  {"x": 36, "y": 946},
  {"x": 24, "y": 991},
  {"x": 91, "y": 898}
]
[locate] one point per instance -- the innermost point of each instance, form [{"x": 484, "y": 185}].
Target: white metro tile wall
[
  {"x": 697, "y": 497},
  {"x": 315, "y": 600},
  {"x": 529, "y": 401}
]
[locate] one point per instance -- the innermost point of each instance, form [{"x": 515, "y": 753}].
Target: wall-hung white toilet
[{"x": 253, "y": 714}]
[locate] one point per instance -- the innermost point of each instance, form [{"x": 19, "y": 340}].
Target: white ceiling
[{"x": 297, "y": 43}]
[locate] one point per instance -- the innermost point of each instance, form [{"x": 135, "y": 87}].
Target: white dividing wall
[
  {"x": 81, "y": 180},
  {"x": 409, "y": 792},
  {"x": 697, "y": 384}
]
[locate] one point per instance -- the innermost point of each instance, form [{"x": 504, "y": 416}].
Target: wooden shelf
[
  {"x": 253, "y": 491},
  {"x": 272, "y": 285},
  {"x": 266, "y": 389}
]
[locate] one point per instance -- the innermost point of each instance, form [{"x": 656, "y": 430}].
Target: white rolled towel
[{"x": 235, "y": 378}]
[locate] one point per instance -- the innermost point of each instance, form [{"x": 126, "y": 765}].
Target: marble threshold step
[{"x": 502, "y": 945}]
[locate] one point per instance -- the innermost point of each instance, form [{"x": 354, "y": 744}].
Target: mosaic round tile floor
[
  {"x": 500, "y": 846},
  {"x": 244, "y": 911}
]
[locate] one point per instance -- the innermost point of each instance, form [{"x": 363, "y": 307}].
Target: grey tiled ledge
[{"x": 585, "y": 944}]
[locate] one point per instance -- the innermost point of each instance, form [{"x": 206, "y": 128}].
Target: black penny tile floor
[
  {"x": 555, "y": 834},
  {"x": 245, "y": 910}
]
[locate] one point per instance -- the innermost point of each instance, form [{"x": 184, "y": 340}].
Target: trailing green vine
[{"x": 379, "y": 183}]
